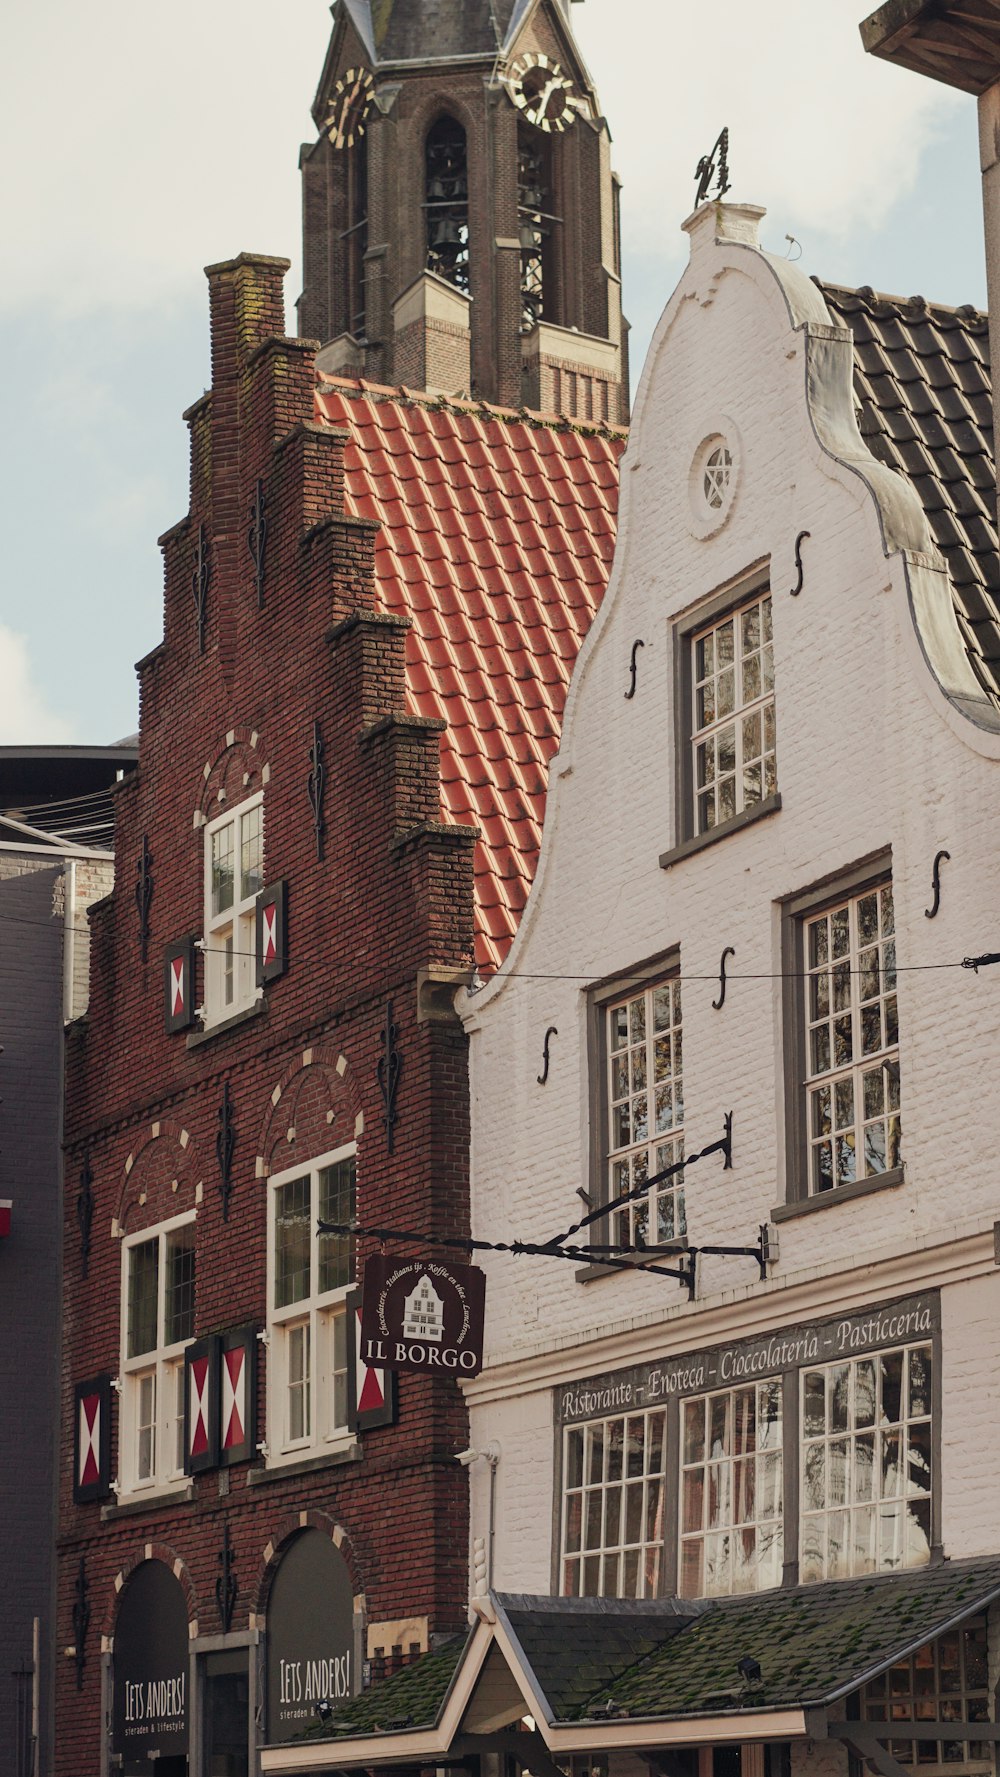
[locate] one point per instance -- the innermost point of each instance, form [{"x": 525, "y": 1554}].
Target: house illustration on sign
[{"x": 423, "y": 1312}]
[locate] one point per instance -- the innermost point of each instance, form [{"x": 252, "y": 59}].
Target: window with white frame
[
  {"x": 614, "y": 1481},
  {"x": 867, "y": 1443},
  {"x": 733, "y": 731},
  {"x": 234, "y": 877},
  {"x": 310, "y": 1275},
  {"x": 645, "y": 1112},
  {"x": 158, "y": 1297},
  {"x": 852, "y": 1041},
  {"x": 731, "y": 1535}
]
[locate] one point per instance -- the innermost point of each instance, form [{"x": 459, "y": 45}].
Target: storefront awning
[{"x": 598, "y": 1675}]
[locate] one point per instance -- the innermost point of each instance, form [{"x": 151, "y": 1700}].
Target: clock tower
[{"x": 460, "y": 214}]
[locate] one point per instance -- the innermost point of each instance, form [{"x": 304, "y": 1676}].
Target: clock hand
[{"x": 543, "y": 97}]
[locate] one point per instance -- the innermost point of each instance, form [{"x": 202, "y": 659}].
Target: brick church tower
[{"x": 460, "y": 214}]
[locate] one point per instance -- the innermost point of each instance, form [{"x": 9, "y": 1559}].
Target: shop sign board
[
  {"x": 310, "y": 1635},
  {"x": 151, "y": 1655},
  {"x": 747, "y": 1360},
  {"x": 423, "y": 1314}
]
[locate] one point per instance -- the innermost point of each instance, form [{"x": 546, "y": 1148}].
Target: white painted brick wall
[{"x": 866, "y": 759}]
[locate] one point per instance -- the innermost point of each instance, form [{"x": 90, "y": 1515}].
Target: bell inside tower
[
  {"x": 446, "y": 202},
  {"x": 535, "y": 220}
]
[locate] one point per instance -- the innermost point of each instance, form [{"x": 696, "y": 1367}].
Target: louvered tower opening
[{"x": 446, "y": 202}]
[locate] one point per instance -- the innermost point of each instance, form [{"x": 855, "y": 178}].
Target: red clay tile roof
[{"x": 497, "y": 535}]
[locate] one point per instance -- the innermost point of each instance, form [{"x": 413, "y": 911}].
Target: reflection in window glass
[
  {"x": 291, "y": 1242},
  {"x": 945, "y": 1681},
  {"x": 852, "y": 1041},
  {"x": 143, "y": 1296},
  {"x": 734, "y": 736},
  {"x": 731, "y": 1505},
  {"x": 646, "y": 1112},
  {"x": 866, "y": 1465},
  {"x": 613, "y": 1502}
]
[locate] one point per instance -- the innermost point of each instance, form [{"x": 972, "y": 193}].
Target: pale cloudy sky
[{"x": 143, "y": 142}]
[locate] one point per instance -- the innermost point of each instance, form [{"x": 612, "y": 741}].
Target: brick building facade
[{"x": 315, "y": 848}]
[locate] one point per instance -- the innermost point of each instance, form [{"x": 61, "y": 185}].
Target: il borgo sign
[{"x": 423, "y": 1314}]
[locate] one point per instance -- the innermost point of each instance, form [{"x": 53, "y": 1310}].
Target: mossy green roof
[
  {"x": 591, "y": 1659},
  {"x": 813, "y": 1644},
  {"x": 411, "y": 1698}
]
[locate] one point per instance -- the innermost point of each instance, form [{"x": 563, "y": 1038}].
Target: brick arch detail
[
  {"x": 164, "y": 1153},
  {"x": 150, "y": 1552},
  {"x": 430, "y": 111},
  {"x": 237, "y": 769},
  {"x": 287, "y": 1529},
  {"x": 317, "y": 1098}
]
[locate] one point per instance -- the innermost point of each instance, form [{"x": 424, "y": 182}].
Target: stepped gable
[
  {"x": 924, "y": 393},
  {"x": 497, "y": 535}
]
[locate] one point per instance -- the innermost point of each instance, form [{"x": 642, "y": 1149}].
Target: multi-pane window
[
  {"x": 865, "y": 1502},
  {"x": 731, "y": 1516},
  {"x": 158, "y": 1322},
  {"x": 733, "y": 738},
  {"x": 234, "y": 877},
  {"x": 614, "y": 1478},
  {"x": 646, "y": 1112},
  {"x": 946, "y": 1680},
  {"x": 852, "y": 1041},
  {"x": 311, "y": 1274}
]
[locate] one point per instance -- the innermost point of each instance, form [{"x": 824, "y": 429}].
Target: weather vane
[{"x": 713, "y": 166}]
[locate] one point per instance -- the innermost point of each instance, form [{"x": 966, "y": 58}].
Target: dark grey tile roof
[
  {"x": 420, "y": 30},
  {"x": 813, "y": 1643},
  {"x": 924, "y": 394},
  {"x": 577, "y": 1646}
]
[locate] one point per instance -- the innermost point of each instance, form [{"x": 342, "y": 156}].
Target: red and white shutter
[
  {"x": 272, "y": 923},
  {"x": 92, "y": 1440},
  {"x": 372, "y": 1398},
  {"x": 201, "y": 1414},
  {"x": 178, "y": 985},
  {"x": 238, "y": 1396}
]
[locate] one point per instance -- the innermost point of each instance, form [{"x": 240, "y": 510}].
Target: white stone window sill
[
  {"x": 334, "y": 1456},
  {"x": 134, "y": 1505}
]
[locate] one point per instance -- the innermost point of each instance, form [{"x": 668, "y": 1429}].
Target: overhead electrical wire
[{"x": 975, "y": 963}]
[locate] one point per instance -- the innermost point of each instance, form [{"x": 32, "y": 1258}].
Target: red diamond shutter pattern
[
  {"x": 374, "y": 1398},
  {"x": 234, "y": 1394},
  {"x": 178, "y": 985},
  {"x": 89, "y": 1441},
  {"x": 198, "y": 1407},
  {"x": 272, "y": 944}
]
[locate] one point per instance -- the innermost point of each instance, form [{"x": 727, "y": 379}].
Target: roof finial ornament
[{"x": 713, "y": 166}]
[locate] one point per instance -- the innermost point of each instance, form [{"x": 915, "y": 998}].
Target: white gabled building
[{"x": 771, "y": 840}]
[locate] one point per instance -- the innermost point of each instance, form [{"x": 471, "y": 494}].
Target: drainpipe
[{"x": 69, "y": 936}]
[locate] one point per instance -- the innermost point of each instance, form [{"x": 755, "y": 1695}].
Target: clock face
[
  {"x": 543, "y": 92},
  {"x": 349, "y": 105}
]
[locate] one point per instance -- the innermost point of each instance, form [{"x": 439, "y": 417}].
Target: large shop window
[
  {"x": 851, "y": 1040},
  {"x": 310, "y": 1277},
  {"x": 612, "y": 1534},
  {"x": 866, "y": 1465},
  {"x": 645, "y": 1111},
  {"x": 773, "y": 1460},
  {"x": 946, "y": 1680},
  {"x": 234, "y": 877},
  {"x": 731, "y": 1524},
  {"x": 733, "y": 727},
  {"x": 158, "y": 1300}
]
